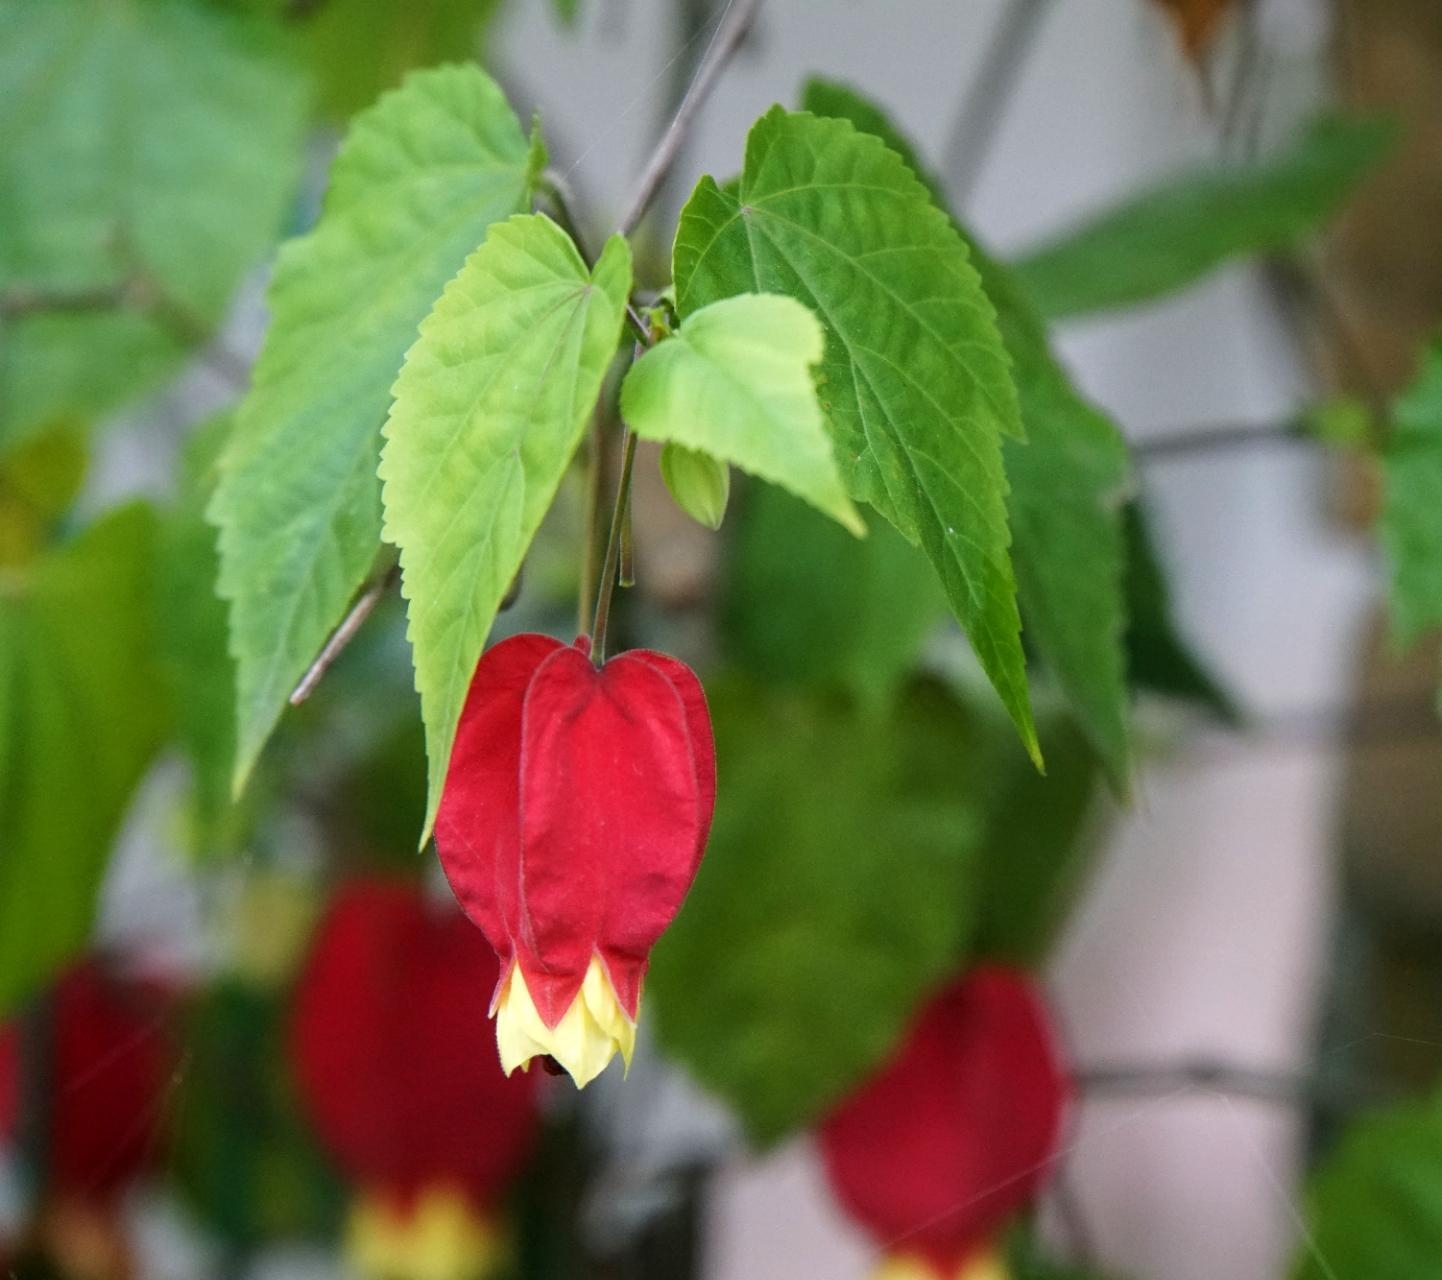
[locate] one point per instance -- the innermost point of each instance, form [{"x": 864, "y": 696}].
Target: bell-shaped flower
[
  {"x": 388, "y": 1043},
  {"x": 956, "y": 1133},
  {"x": 575, "y": 813},
  {"x": 110, "y": 1060}
]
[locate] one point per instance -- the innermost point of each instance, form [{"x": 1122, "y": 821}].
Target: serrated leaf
[
  {"x": 836, "y": 889},
  {"x": 1068, "y": 479},
  {"x": 735, "y": 382},
  {"x": 1168, "y": 237},
  {"x": 1375, "y": 1205},
  {"x": 489, "y": 409},
  {"x": 191, "y": 636},
  {"x": 914, "y": 379},
  {"x": 420, "y": 177},
  {"x": 1157, "y": 657},
  {"x": 806, "y": 605},
  {"x": 1412, "y": 515},
  {"x": 82, "y": 713},
  {"x": 151, "y": 150}
]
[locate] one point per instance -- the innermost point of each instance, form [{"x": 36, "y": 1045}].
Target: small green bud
[{"x": 700, "y": 483}]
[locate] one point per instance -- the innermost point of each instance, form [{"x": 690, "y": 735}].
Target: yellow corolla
[
  {"x": 909, "y": 1266},
  {"x": 590, "y": 1033},
  {"x": 438, "y": 1237}
]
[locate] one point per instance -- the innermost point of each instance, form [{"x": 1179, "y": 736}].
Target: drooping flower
[
  {"x": 110, "y": 1059},
  {"x": 575, "y": 813},
  {"x": 389, "y": 1048},
  {"x": 956, "y": 1133}
]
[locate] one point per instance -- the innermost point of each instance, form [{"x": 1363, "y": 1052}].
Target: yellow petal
[
  {"x": 586, "y": 1038},
  {"x": 909, "y": 1266},
  {"x": 440, "y": 1237}
]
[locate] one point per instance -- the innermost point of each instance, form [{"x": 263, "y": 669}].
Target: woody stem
[{"x": 611, "y": 565}]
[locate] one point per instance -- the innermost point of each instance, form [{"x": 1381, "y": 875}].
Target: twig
[
  {"x": 729, "y": 33},
  {"x": 984, "y": 104},
  {"x": 344, "y": 634},
  {"x": 610, "y": 568},
  {"x": 1285, "y": 1088},
  {"x": 1217, "y": 437}
]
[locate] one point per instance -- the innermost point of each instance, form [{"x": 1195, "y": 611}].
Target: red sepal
[
  {"x": 958, "y": 1131},
  {"x": 576, "y": 810},
  {"x": 392, "y": 1052}
]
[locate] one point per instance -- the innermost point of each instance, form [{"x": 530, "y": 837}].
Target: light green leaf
[
  {"x": 151, "y": 151},
  {"x": 915, "y": 380},
  {"x": 700, "y": 485},
  {"x": 82, "y": 713},
  {"x": 1068, "y": 479},
  {"x": 735, "y": 382},
  {"x": 808, "y": 606},
  {"x": 1412, "y": 516},
  {"x": 489, "y": 408},
  {"x": 836, "y": 889},
  {"x": 1375, "y": 1205},
  {"x": 1168, "y": 237},
  {"x": 419, "y": 179}
]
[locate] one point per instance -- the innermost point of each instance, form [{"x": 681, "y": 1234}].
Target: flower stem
[{"x": 611, "y": 566}]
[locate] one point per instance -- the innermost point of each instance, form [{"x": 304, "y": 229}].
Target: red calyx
[
  {"x": 576, "y": 810},
  {"x": 958, "y": 1131},
  {"x": 111, "y": 1063},
  {"x": 392, "y": 1050}
]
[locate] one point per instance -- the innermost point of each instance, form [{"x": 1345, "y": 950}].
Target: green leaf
[
  {"x": 735, "y": 382},
  {"x": 566, "y": 10},
  {"x": 191, "y": 636},
  {"x": 808, "y": 606},
  {"x": 700, "y": 485},
  {"x": 915, "y": 380},
  {"x": 1375, "y": 1205},
  {"x": 1412, "y": 516},
  {"x": 419, "y": 179},
  {"x": 836, "y": 889},
  {"x": 489, "y": 408},
  {"x": 357, "y": 49},
  {"x": 1157, "y": 656},
  {"x": 1168, "y": 237},
  {"x": 39, "y": 479},
  {"x": 1068, "y": 478},
  {"x": 1035, "y": 855},
  {"x": 82, "y": 713},
  {"x": 151, "y": 152}
]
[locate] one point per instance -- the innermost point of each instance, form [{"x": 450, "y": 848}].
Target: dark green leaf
[
  {"x": 837, "y": 888},
  {"x": 1068, "y": 479},
  {"x": 1157, "y": 657},
  {"x": 151, "y": 150},
  {"x": 420, "y": 178},
  {"x": 1172, "y": 235},
  {"x": 82, "y": 713},
  {"x": 805, "y": 604},
  {"x": 915, "y": 378},
  {"x": 1375, "y": 1206},
  {"x": 39, "y": 479}
]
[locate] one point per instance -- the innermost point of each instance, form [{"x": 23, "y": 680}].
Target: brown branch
[
  {"x": 1217, "y": 437},
  {"x": 730, "y": 32},
  {"x": 344, "y": 634}
]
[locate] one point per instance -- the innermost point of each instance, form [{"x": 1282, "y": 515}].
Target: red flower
[
  {"x": 111, "y": 1062},
  {"x": 958, "y": 1131},
  {"x": 574, "y": 817},
  {"x": 389, "y": 1046}
]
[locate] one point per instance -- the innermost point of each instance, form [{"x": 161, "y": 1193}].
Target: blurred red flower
[
  {"x": 958, "y": 1132},
  {"x": 575, "y": 813}
]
